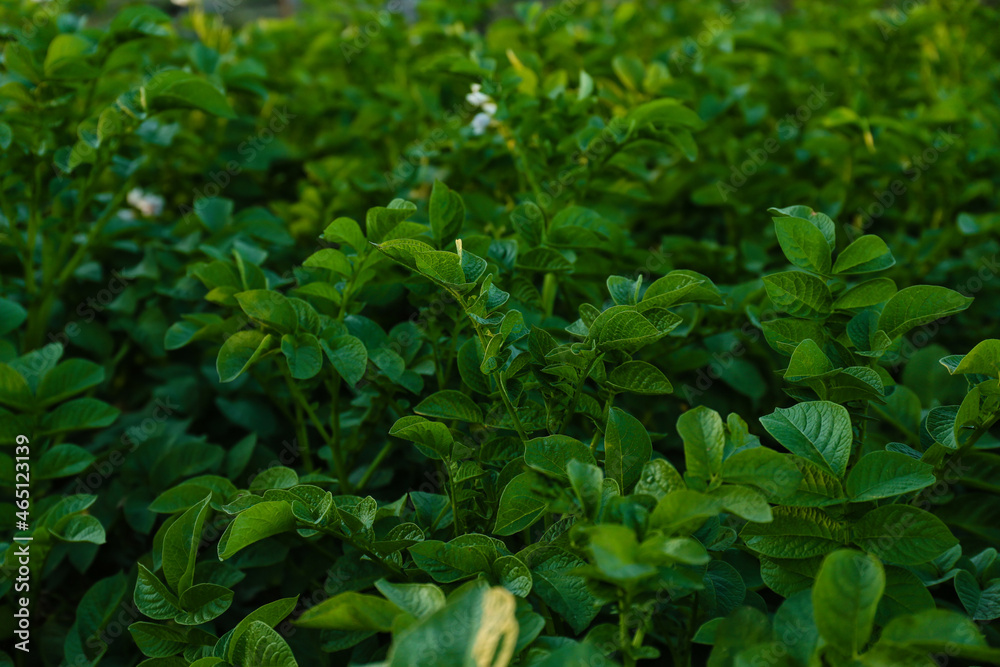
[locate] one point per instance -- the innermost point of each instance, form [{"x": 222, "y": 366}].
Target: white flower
[
  {"x": 490, "y": 108},
  {"x": 149, "y": 205},
  {"x": 475, "y": 98},
  {"x": 480, "y": 122},
  {"x": 181, "y": 3}
]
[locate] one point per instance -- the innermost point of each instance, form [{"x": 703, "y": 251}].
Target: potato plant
[{"x": 574, "y": 334}]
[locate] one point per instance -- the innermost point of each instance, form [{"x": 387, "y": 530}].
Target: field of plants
[{"x": 474, "y": 334}]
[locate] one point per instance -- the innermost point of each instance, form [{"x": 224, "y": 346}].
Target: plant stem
[
  {"x": 571, "y": 410},
  {"x": 300, "y": 426},
  {"x": 384, "y": 452},
  {"x": 510, "y": 410},
  {"x": 623, "y": 639}
]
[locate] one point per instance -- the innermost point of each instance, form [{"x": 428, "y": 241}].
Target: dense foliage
[{"x": 580, "y": 334}]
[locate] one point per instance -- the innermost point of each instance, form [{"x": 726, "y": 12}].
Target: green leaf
[
  {"x": 12, "y": 315},
  {"x": 270, "y": 308},
  {"x": 174, "y": 89},
  {"x": 903, "y": 534},
  {"x": 435, "y": 436},
  {"x": 520, "y": 505},
  {"x": 704, "y": 439},
  {"x": 659, "y": 477},
  {"x": 447, "y": 213},
  {"x": 552, "y": 454},
  {"x": 80, "y": 528},
  {"x": 803, "y": 244},
  {"x": 14, "y": 389},
  {"x": 513, "y": 575},
  {"x": 261, "y": 646},
  {"x": 784, "y": 334},
  {"x": 348, "y": 355},
  {"x": 345, "y": 230},
  {"x": 180, "y": 546},
  {"x": 887, "y": 474},
  {"x": 158, "y": 641},
  {"x": 845, "y": 598},
  {"x": 63, "y": 461},
  {"x": 683, "y": 512},
  {"x": 808, "y": 361},
  {"x": 983, "y": 359},
  {"x": 919, "y": 305},
  {"x": 627, "y": 448},
  {"x": 450, "y": 404},
  {"x": 66, "y": 57},
  {"x": 68, "y": 378},
  {"x": 744, "y": 502},
  {"x": 79, "y": 414},
  {"x": 270, "y": 614},
  {"x": 639, "y": 377},
  {"x": 869, "y": 293},
  {"x": 351, "y": 611},
  {"x": 799, "y": 294},
  {"x": 795, "y": 533},
  {"x": 821, "y": 220},
  {"x": 418, "y": 600},
  {"x": 764, "y": 468},
  {"x": 303, "y": 354},
  {"x": 447, "y": 562},
  {"x": 819, "y": 431},
  {"x": 665, "y": 113},
  {"x": 940, "y": 631},
  {"x": 479, "y": 621},
  {"x": 331, "y": 259},
  {"x": 556, "y": 582},
  {"x": 904, "y": 594},
  {"x": 865, "y": 255},
  {"x": 981, "y": 604},
  {"x": 254, "y": 524},
  {"x": 153, "y": 598},
  {"x": 379, "y": 220},
  {"x": 204, "y": 603},
  {"x": 587, "y": 482},
  {"x": 241, "y": 351}
]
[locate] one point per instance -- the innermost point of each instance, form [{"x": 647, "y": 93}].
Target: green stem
[
  {"x": 571, "y": 410},
  {"x": 453, "y": 493},
  {"x": 623, "y": 639},
  {"x": 376, "y": 462},
  {"x": 300, "y": 426},
  {"x": 510, "y": 409}
]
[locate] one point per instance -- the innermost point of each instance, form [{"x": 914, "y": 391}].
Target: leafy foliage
[{"x": 475, "y": 338}]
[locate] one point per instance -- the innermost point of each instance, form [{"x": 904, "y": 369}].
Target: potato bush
[{"x": 476, "y": 334}]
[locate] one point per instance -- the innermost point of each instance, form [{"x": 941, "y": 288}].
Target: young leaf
[
  {"x": 887, "y": 474},
  {"x": 803, "y": 244},
  {"x": 704, "y": 439},
  {"x": 256, "y": 523},
  {"x": 627, "y": 448},
  {"x": 865, "y": 255},
  {"x": 799, "y": 294},
  {"x": 845, "y": 597},
  {"x": 919, "y": 305},
  {"x": 903, "y": 534},
  {"x": 819, "y": 431}
]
